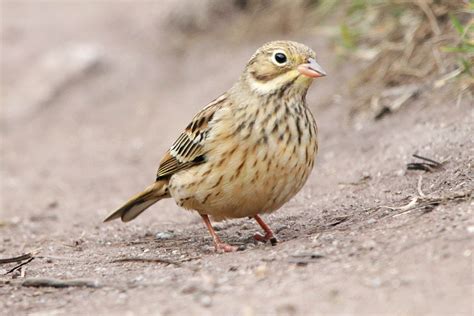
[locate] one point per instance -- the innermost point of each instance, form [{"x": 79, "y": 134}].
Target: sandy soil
[{"x": 66, "y": 164}]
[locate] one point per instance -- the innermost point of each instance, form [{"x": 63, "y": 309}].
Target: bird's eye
[{"x": 280, "y": 58}]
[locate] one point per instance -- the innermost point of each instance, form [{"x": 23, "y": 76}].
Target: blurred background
[{"x": 94, "y": 92}]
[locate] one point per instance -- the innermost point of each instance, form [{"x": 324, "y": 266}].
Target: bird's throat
[{"x": 289, "y": 82}]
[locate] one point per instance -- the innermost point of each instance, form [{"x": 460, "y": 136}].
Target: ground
[{"x": 349, "y": 244}]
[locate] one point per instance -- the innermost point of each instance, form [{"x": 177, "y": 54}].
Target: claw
[
  {"x": 265, "y": 238},
  {"x": 268, "y": 232},
  {"x": 218, "y": 244}
]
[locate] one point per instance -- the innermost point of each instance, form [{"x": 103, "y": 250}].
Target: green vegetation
[
  {"x": 405, "y": 41},
  {"x": 465, "y": 41}
]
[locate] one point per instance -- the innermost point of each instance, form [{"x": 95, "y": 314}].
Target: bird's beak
[{"x": 312, "y": 69}]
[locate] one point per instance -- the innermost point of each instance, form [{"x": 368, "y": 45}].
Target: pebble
[
  {"x": 369, "y": 244},
  {"x": 205, "y": 300},
  {"x": 375, "y": 282},
  {"x": 164, "y": 235},
  {"x": 261, "y": 271},
  {"x": 400, "y": 172}
]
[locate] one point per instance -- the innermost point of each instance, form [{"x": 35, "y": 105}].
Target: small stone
[
  {"x": 334, "y": 293},
  {"x": 369, "y": 244},
  {"x": 371, "y": 221},
  {"x": 286, "y": 309},
  {"x": 189, "y": 289},
  {"x": 400, "y": 172},
  {"x": 139, "y": 278},
  {"x": 205, "y": 300},
  {"x": 248, "y": 311},
  {"x": 280, "y": 228},
  {"x": 53, "y": 204},
  {"x": 376, "y": 282},
  {"x": 261, "y": 271},
  {"x": 244, "y": 226},
  {"x": 164, "y": 235},
  {"x": 303, "y": 259}
]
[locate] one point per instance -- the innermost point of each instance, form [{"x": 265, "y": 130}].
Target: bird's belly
[{"x": 244, "y": 179}]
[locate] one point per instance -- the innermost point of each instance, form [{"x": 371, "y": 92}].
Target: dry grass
[{"x": 404, "y": 47}]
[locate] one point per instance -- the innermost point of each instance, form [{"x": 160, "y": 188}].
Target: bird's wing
[{"x": 188, "y": 150}]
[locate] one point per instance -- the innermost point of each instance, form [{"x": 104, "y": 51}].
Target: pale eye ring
[{"x": 280, "y": 58}]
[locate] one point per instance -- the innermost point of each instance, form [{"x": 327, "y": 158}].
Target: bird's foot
[
  {"x": 267, "y": 237},
  {"x": 218, "y": 244},
  {"x": 268, "y": 232},
  {"x": 223, "y": 247}
]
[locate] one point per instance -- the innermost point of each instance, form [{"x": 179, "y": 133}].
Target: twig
[
  {"x": 149, "y": 260},
  {"x": 406, "y": 207},
  {"x": 430, "y": 15},
  {"x": 338, "y": 220},
  {"x": 426, "y": 202},
  {"x": 305, "y": 259},
  {"x": 24, "y": 257},
  {"x": 45, "y": 282},
  {"x": 190, "y": 259},
  {"x": 438, "y": 60},
  {"x": 418, "y": 187},
  {"x": 20, "y": 265},
  {"x": 57, "y": 258},
  {"x": 459, "y": 99},
  {"x": 362, "y": 180},
  {"x": 429, "y": 165},
  {"x": 419, "y": 166},
  {"x": 427, "y": 159}
]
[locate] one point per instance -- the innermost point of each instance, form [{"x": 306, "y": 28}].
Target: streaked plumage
[{"x": 247, "y": 152}]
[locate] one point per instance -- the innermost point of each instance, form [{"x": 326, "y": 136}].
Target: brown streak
[
  {"x": 207, "y": 172},
  {"x": 218, "y": 182},
  {"x": 298, "y": 128},
  {"x": 239, "y": 169},
  {"x": 205, "y": 199}
]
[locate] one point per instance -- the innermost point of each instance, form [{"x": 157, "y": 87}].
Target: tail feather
[{"x": 140, "y": 202}]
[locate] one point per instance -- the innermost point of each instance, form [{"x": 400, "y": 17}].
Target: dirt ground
[{"x": 347, "y": 243}]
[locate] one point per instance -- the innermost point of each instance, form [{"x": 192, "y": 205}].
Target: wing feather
[{"x": 189, "y": 150}]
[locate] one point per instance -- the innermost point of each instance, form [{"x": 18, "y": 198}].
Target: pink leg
[
  {"x": 268, "y": 232},
  {"x": 220, "y": 246}
]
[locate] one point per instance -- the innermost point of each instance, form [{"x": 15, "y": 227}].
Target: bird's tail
[{"x": 140, "y": 202}]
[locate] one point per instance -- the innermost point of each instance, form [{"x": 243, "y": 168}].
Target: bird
[{"x": 247, "y": 152}]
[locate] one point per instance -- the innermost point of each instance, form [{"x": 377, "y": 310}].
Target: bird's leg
[
  {"x": 220, "y": 246},
  {"x": 268, "y": 232}
]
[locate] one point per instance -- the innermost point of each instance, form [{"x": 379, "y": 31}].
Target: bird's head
[{"x": 282, "y": 65}]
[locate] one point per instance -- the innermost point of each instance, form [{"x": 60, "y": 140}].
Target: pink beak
[{"x": 312, "y": 69}]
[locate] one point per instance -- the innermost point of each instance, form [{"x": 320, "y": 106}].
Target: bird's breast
[{"x": 258, "y": 157}]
